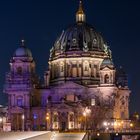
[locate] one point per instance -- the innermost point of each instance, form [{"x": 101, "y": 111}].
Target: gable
[
  {"x": 106, "y": 68},
  {"x": 70, "y": 85}
]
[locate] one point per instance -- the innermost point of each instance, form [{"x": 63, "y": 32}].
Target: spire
[
  {"x": 80, "y": 15},
  {"x": 22, "y": 43}
]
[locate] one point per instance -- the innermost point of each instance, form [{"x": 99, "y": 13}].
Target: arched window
[
  {"x": 19, "y": 102},
  {"x": 122, "y": 114},
  {"x": 86, "y": 66},
  {"x": 49, "y": 98},
  {"x": 61, "y": 68},
  {"x": 55, "y": 118},
  {"x": 71, "y": 117},
  {"x": 106, "y": 79},
  {"x": 19, "y": 70}
]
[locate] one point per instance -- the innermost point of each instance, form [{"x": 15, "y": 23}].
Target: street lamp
[
  {"x": 23, "y": 118},
  {"x": 131, "y": 125},
  {"x": 47, "y": 118},
  {"x": 1, "y": 123},
  {"x": 86, "y": 112}
]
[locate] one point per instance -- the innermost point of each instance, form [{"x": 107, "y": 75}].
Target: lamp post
[
  {"x": 1, "y": 125},
  {"x": 23, "y": 118},
  {"x": 85, "y": 115},
  {"x": 47, "y": 118},
  {"x": 86, "y": 112}
]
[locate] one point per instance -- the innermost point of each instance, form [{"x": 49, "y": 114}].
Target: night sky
[{"x": 40, "y": 22}]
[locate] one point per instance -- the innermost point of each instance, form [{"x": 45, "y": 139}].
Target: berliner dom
[{"x": 81, "y": 81}]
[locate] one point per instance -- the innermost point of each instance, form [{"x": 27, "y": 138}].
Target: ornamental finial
[
  {"x": 22, "y": 43},
  {"x": 80, "y": 15}
]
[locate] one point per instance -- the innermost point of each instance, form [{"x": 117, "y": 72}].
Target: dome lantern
[{"x": 80, "y": 15}]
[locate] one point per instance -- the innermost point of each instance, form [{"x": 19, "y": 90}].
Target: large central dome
[
  {"x": 80, "y": 37},
  {"x": 78, "y": 54}
]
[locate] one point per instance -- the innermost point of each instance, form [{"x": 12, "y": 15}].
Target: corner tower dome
[
  {"x": 80, "y": 37},
  {"x": 107, "y": 62},
  {"x": 22, "y": 51}
]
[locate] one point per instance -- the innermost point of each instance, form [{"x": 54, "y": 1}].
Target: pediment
[
  {"x": 64, "y": 106},
  {"x": 17, "y": 110},
  {"x": 70, "y": 85},
  {"x": 106, "y": 68}
]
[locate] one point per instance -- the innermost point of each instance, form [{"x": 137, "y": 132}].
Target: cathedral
[{"x": 82, "y": 87}]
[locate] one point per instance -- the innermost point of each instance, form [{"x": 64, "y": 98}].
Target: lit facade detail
[{"x": 82, "y": 87}]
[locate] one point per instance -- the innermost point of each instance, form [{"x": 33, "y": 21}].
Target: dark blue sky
[{"x": 41, "y": 21}]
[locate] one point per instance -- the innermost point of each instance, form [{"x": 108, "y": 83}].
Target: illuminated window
[
  {"x": 86, "y": 66},
  {"x": 19, "y": 102},
  {"x": 74, "y": 72},
  {"x": 122, "y": 115},
  {"x": 71, "y": 117},
  {"x": 92, "y": 102},
  {"x": 62, "y": 68},
  {"x": 35, "y": 116},
  {"x": 70, "y": 97},
  {"x": 55, "y": 118}
]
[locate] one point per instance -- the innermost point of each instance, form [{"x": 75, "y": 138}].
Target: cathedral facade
[{"x": 82, "y": 87}]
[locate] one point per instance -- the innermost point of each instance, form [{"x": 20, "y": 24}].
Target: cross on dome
[{"x": 22, "y": 43}]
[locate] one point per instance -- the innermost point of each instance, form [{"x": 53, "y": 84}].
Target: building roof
[
  {"x": 22, "y": 51},
  {"x": 80, "y": 36}
]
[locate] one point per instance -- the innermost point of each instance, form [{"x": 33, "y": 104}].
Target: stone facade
[{"x": 82, "y": 88}]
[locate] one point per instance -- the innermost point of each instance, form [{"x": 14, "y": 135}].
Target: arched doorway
[
  {"x": 17, "y": 121},
  {"x": 64, "y": 121}
]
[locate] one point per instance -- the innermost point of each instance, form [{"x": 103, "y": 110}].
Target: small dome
[
  {"x": 107, "y": 62},
  {"x": 23, "y": 52}
]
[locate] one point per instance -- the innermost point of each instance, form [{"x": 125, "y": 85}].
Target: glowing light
[
  {"x": 119, "y": 124},
  {"x": 137, "y": 116},
  {"x": 23, "y": 117},
  {"x": 98, "y": 134},
  {"x": 131, "y": 124},
  {"x": 105, "y": 123},
  {"x": 115, "y": 123},
  {"x": 0, "y": 119},
  {"x": 35, "y": 116},
  {"x": 88, "y": 111},
  {"x": 117, "y": 134},
  {"x": 47, "y": 118},
  {"x": 84, "y": 113}
]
